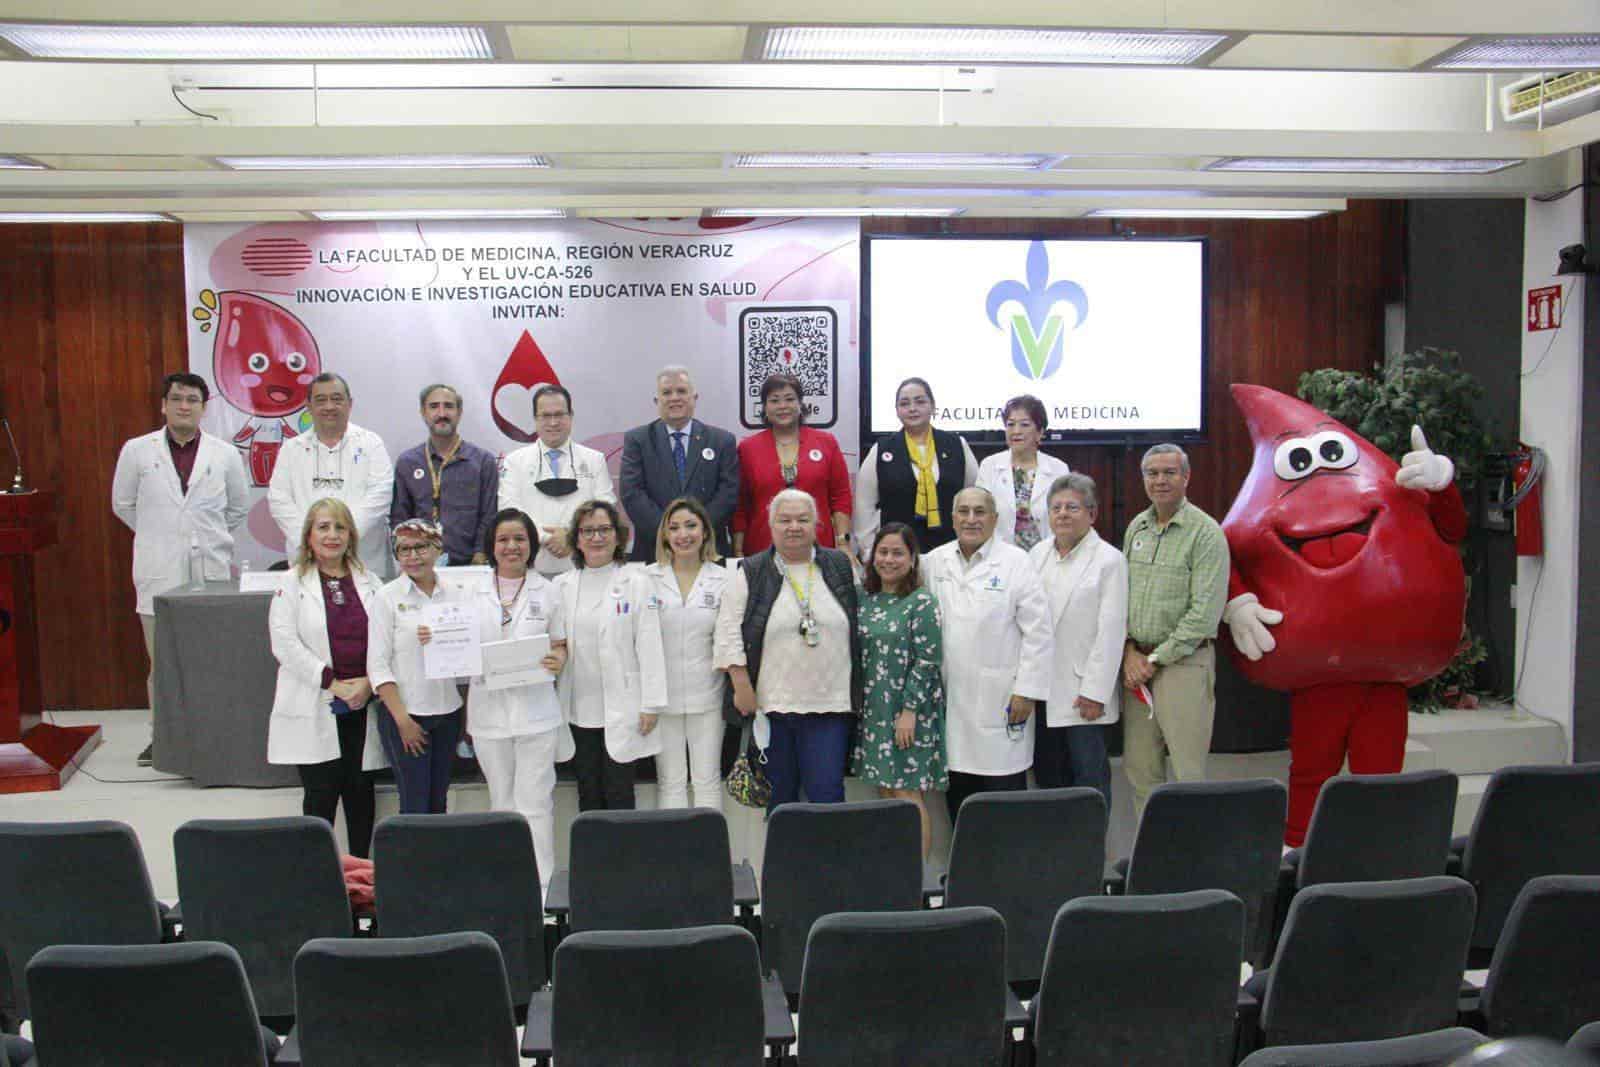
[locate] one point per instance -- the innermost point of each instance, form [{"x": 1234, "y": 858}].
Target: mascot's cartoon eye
[
  {"x": 1294, "y": 459},
  {"x": 295, "y": 362},
  {"x": 258, "y": 362},
  {"x": 1334, "y": 450}
]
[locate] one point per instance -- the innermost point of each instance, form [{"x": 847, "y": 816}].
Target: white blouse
[
  {"x": 795, "y": 679},
  {"x": 395, "y": 655},
  {"x": 583, "y": 647},
  {"x": 688, "y": 629},
  {"x": 502, "y": 714}
]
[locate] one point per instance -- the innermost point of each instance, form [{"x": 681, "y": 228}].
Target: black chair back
[
  {"x": 1360, "y": 961},
  {"x": 1025, "y": 854},
  {"x": 266, "y": 887},
  {"x": 1531, "y": 821},
  {"x": 650, "y": 870},
  {"x": 1214, "y": 835},
  {"x": 373, "y": 1002},
  {"x": 1544, "y": 978},
  {"x": 924, "y": 987},
  {"x": 1437, "y": 1048},
  {"x": 1137, "y": 980},
  {"x": 1379, "y": 827},
  {"x": 658, "y": 997},
  {"x": 71, "y": 883},
  {"x": 439, "y": 874},
  {"x": 144, "y": 1005},
  {"x": 823, "y": 858}
]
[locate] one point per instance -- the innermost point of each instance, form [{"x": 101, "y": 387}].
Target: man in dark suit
[{"x": 677, "y": 455}]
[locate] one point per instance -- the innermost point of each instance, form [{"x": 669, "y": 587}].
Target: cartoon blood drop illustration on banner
[
  {"x": 262, "y": 361},
  {"x": 511, "y": 403},
  {"x": 1346, "y": 587}
]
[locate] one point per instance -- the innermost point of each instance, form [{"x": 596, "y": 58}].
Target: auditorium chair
[
  {"x": 71, "y": 883},
  {"x": 16, "y": 1051},
  {"x": 1141, "y": 980},
  {"x": 1531, "y": 821},
  {"x": 1586, "y": 1039},
  {"x": 1372, "y": 828},
  {"x": 266, "y": 887},
  {"x": 823, "y": 858},
  {"x": 1362, "y": 961},
  {"x": 1544, "y": 977},
  {"x": 145, "y": 1006},
  {"x": 1437, "y": 1048},
  {"x": 1025, "y": 854},
  {"x": 1211, "y": 835},
  {"x": 657, "y": 998},
  {"x": 438, "y": 874},
  {"x": 923, "y": 987},
  {"x": 440, "y": 1000}
]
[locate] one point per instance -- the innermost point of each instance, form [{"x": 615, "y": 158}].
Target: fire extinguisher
[{"x": 1526, "y": 499}]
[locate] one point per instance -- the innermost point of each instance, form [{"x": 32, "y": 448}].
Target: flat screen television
[{"x": 1110, "y": 333}]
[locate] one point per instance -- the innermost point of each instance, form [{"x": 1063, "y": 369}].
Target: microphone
[{"x": 18, "y": 484}]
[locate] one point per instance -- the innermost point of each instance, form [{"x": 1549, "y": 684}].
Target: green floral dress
[{"x": 901, "y": 659}]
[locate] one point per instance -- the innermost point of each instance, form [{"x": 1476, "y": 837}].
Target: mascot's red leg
[
  {"x": 1378, "y": 731},
  {"x": 1319, "y": 723}
]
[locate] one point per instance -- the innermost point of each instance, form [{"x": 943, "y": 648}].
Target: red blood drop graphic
[
  {"x": 263, "y": 358},
  {"x": 511, "y": 402}
]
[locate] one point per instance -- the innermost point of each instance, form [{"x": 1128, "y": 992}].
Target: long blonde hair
[{"x": 305, "y": 559}]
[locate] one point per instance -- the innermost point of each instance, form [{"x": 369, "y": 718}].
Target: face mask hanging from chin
[{"x": 552, "y": 486}]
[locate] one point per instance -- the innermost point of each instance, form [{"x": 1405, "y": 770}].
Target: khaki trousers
[
  {"x": 1185, "y": 706},
  {"x": 148, "y": 624}
]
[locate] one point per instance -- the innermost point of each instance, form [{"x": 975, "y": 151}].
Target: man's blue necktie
[{"x": 680, "y": 460}]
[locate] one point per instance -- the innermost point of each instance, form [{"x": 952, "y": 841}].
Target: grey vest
[{"x": 766, "y": 583}]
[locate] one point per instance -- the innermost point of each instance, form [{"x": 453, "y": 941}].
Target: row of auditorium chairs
[{"x": 1127, "y": 981}]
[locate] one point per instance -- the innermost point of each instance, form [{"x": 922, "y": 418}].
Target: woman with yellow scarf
[{"x": 913, "y": 476}]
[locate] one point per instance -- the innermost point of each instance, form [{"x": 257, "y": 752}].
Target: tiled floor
[{"x": 111, "y": 786}]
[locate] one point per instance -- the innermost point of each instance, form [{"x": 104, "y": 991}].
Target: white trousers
[
  {"x": 698, "y": 736},
  {"x": 521, "y": 773}
]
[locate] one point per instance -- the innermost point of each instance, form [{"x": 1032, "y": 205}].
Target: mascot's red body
[{"x": 1365, "y": 575}]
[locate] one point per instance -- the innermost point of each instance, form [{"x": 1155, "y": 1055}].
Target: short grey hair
[
  {"x": 1074, "y": 482},
  {"x": 977, "y": 489},
  {"x": 1166, "y": 449},
  {"x": 791, "y": 496},
  {"x": 673, "y": 370},
  {"x": 422, "y": 397}
]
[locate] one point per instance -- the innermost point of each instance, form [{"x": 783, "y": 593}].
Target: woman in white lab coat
[
  {"x": 1020, "y": 477},
  {"x": 518, "y": 731},
  {"x": 614, "y": 684},
  {"x": 323, "y": 711},
  {"x": 687, "y": 582},
  {"x": 1087, "y": 581}
]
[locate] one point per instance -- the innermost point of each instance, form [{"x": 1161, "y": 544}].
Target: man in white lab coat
[
  {"x": 178, "y": 489},
  {"x": 337, "y": 459},
  {"x": 998, "y": 643},
  {"x": 551, "y": 477}
]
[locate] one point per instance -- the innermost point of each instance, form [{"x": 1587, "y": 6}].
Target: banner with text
[{"x": 497, "y": 308}]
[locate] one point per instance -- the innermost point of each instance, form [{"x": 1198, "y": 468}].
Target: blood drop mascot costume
[{"x": 1346, "y": 587}]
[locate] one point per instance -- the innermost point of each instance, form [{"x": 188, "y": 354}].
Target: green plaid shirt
[{"x": 1177, "y": 581}]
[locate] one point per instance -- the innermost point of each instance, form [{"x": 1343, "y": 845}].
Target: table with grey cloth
[{"x": 215, "y": 676}]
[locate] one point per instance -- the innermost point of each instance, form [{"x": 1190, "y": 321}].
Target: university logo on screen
[{"x": 1029, "y": 308}]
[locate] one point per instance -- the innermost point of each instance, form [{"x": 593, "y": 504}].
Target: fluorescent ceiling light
[
  {"x": 1524, "y": 53},
  {"x": 899, "y": 160},
  {"x": 1336, "y": 165},
  {"x": 1204, "y": 213},
  {"x": 830, "y": 212},
  {"x": 933, "y": 44},
  {"x": 379, "y": 162},
  {"x": 427, "y": 214},
  {"x": 18, "y": 163},
  {"x": 83, "y": 216},
  {"x": 295, "y": 43}
]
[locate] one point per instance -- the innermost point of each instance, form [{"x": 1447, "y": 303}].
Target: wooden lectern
[{"x": 35, "y": 756}]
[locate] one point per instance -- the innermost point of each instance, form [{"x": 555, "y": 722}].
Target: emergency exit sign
[{"x": 1544, "y": 308}]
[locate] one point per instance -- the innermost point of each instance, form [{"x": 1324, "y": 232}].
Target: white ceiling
[{"x": 641, "y": 108}]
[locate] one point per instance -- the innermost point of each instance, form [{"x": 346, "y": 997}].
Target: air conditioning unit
[{"x": 1562, "y": 96}]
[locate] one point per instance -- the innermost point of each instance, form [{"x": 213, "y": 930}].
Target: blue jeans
[
  {"x": 807, "y": 751},
  {"x": 1072, "y": 755},
  {"x": 423, "y": 781}
]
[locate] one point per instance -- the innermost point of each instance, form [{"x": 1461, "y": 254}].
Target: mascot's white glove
[
  {"x": 1422, "y": 467},
  {"x": 1248, "y": 621}
]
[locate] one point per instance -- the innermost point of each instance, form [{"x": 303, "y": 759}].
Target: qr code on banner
[{"x": 802, "y": 341}]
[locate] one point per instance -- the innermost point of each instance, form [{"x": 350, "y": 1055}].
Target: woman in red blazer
[{"x": 788, "y": 454}]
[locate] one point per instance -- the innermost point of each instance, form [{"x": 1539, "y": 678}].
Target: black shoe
[{"x": 147, "y": 757}]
